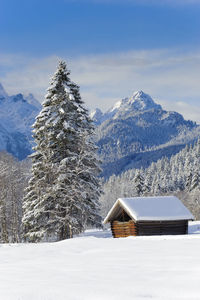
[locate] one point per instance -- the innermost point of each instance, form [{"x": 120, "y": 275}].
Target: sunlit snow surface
[{"x": 96, "y": 266}]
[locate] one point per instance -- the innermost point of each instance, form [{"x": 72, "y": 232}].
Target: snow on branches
[{"x": 62, "y": 196}]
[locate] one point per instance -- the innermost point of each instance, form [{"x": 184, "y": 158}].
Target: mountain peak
[
  {"x": 138, "y": 102},
  {"x": 141, "y": 101},
  {"x": 139, "y": 94},
  {"x": 18, "y": 98},
  {"x": 3, "y": 93},
  {"x": 33, "y": 101},
  {"x": 95, "y": 112},
  {"x": 96, "y": 115}
]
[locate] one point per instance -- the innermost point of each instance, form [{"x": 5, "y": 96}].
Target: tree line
[{"x": 178, "y": 175}]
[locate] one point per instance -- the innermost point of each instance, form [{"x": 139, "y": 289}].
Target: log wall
[
  {"x": 162, "y": 227},
  {"x": 123, "y": 229},
  {"x": 130, "y": 228}
]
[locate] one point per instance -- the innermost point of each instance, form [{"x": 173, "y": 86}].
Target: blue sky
[
  {"x": 112, "y": 47},
  {"x": 62, "y": 27}
]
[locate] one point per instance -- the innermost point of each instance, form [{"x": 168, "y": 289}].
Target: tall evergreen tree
[
  {"x": 62, "y": 196},
  {"x": 195, "y": 181},
  {"x": 138, "y": 184}
]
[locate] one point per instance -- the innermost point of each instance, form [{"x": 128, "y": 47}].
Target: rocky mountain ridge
[
  {"x": 132, "y": 133},
  {"x": 17, "y": 114},
  {"x": 135, "y": 126},
  {"x": 138, "y": 102}
]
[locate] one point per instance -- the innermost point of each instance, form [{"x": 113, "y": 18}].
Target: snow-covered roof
[{"x": 150, "y": 208}]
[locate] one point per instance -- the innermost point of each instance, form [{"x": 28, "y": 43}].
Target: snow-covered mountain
[
  {"x": 97, "y": 115},
  {"x": 135, "y": 130},
  {"x": 135, "y": 127},
  {"x": 17, "y": 114},
  {"x": 3, "y": 93},
  {"x": 138, "y": 102}
]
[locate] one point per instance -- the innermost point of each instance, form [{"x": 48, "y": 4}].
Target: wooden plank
[
  {"x": 125, "y": 226},
  {"x": 125, "y": 231},
  {"x": 120, "y": 223},
  {"x": 161, "y": 223},
  {"x": 120, "y": 230},
  {"x": 162, "y": 226}
]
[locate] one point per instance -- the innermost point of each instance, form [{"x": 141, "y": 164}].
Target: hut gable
[
  {"x": 148, "y": 216},
  {"x": 161, "y": 208}
]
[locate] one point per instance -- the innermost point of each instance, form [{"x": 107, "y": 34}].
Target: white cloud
[
  {"x": 170, "y": 76},
  {"x": 27, "y": 74}
]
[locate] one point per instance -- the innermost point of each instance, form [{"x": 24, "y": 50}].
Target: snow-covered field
[{"x": 96, "y": 266}]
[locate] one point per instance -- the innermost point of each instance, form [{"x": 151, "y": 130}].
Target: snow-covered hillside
[
  {"x": 17, "y": 114},
  {"x": 137, "y": 131},
  {"x": 138, "y": 102},
  {"x": 98, "y": 267}
]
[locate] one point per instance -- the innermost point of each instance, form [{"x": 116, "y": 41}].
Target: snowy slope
[
  {"x": 96, "y": 115},
  {"x": 17, "y": 114},
  {"x": 3, "y": 93},
  {"x": 94, "y": 267},
  {"x": 138, "y": 125},
  {"x": 139, "y": 101}
]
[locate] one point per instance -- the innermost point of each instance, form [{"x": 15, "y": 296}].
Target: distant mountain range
[
  {"x": 137, "y": 131},
  {"x": 17, "y": 114},
  {"x": 131, "y": 134}
]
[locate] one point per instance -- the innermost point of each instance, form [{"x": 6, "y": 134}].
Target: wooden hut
[{"x": 148, "y": 216}]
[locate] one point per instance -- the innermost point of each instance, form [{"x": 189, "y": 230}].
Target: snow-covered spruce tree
[
  {"x": 83, "y": 172},
  {"x": 62, "y": 196},
  {"x": 138, "y": 184}
]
